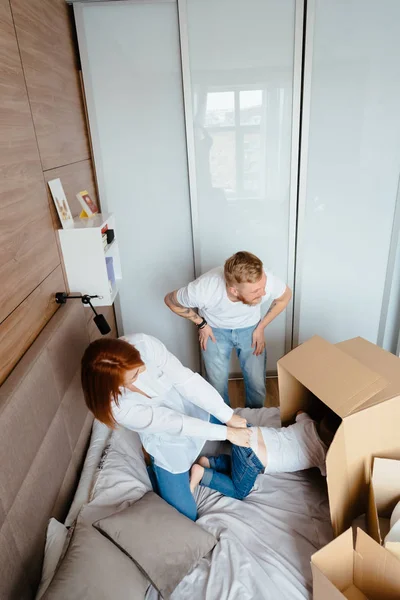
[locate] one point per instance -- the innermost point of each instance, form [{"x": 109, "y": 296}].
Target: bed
[{"x": 264, "y": 543}]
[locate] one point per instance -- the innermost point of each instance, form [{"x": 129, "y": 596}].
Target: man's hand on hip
[
  {"x": 258, "y": 341},
  {"x": 205, "y": 333}
]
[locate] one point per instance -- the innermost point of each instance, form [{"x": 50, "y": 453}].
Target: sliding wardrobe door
[
  {"x": 132, "y": 73},
  {"x": 346, "y": 283},
  {"x": 241, "y": 71}
]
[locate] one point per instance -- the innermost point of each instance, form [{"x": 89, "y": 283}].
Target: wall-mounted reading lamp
[{"x": 99, "y": 319}]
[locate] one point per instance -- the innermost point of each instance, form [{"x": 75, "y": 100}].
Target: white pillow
[
  {"x": 98, "y": 441},
  {"x": 55, "y": 541}
]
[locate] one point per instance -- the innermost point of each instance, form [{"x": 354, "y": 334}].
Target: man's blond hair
[{"x": 243, "y": 267}]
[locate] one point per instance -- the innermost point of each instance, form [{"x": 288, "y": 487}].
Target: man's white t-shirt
[{"x": 208, "y": 294}]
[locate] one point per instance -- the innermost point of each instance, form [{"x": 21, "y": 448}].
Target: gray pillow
[
  {"x": 164, "y": 544},
  {"x": 94, "y": 569}
]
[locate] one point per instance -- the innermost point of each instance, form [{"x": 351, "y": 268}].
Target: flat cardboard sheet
[
  {"x": 384, "y": 494},
  {"x": 386, "y": 483}
]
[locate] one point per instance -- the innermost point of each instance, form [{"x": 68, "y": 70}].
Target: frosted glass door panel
[
  {"x": 132, "y": 72},
  {"x": 391, "y": 324},
  {"x": 241, "y": 57},
  {"x": 350, "y": 185}
]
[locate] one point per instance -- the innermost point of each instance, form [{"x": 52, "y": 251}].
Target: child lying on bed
[{"x": 283, "y": 450}]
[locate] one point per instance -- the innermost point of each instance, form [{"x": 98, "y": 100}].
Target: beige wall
[{"x": 43, "y": 135}]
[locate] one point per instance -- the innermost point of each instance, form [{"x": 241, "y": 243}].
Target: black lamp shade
[{"x": 102, "y": 324}]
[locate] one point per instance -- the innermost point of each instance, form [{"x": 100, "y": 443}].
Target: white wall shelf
[{"x": 84, "y": 257}]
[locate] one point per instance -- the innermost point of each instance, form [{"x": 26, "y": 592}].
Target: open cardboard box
[
  {"x": 361, "y": 384},
  {"x": 384, "y": 494},
  {"x": 357, "y": 571}
]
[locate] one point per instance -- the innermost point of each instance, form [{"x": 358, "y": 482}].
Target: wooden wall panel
[
  {"x": 43, "y": 135},
  {"x": 46, "y": 42},
  {"x": 28, "y": 251},
  {"x": 75, "y": 178},
  {"x": 21, "y": 328}
]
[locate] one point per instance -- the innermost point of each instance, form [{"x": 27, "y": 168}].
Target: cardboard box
[
  {"x": 361, "y": 384},
  {"x": 384, "y": 494},
  {"x": 357, "y": 571}
]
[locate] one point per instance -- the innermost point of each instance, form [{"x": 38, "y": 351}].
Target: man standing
[{"x": 229, "y": 302}]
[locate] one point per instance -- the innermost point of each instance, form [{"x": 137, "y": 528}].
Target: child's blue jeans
[{"x": 234, "y": 475}]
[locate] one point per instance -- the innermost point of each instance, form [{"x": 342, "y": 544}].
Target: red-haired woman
[{"x": 136, "y": 383}]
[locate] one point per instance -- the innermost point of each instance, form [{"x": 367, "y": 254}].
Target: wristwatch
[{"x": 202, "y": 324}]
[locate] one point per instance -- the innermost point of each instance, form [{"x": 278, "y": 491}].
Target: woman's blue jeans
[{"x": 174, "y": 489}]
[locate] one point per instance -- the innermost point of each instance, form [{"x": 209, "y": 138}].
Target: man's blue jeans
[
  {"x": 234, "y": 475},
  {"x": 217, "y": 358}
]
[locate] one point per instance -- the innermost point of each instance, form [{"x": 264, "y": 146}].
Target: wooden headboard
[{"x": 44, "y": 432}]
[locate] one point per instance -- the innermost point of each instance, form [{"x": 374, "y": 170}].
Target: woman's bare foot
[
  {"x": 204, "y": 462},
  {"x": 196, "y": 474}
]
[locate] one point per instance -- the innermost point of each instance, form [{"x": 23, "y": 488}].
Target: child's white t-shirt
[{"x": 208, "y": 294}]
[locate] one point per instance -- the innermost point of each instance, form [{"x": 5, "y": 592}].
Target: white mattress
[{"x": 265, "y": 541}]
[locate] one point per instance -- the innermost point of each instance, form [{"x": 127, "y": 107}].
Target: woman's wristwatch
[{"x": 202, "y": 324}]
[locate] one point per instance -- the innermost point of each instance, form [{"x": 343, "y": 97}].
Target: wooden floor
[{"x": 237, "y": 395}]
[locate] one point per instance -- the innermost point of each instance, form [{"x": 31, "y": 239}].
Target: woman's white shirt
[{"x": 173, "y": 422}]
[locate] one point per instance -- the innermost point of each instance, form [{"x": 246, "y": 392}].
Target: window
[{"x": 234, "y": 125}]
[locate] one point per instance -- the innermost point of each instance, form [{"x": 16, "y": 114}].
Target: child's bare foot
[
  {"x": 196, "y": 474},
  {"x": 204, "y": 462}
]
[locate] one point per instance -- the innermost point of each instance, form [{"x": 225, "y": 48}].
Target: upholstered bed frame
[{"x": 44, "y": 432}]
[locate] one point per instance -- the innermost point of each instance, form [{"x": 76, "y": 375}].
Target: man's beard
[{"x": 252, "y": 303}]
